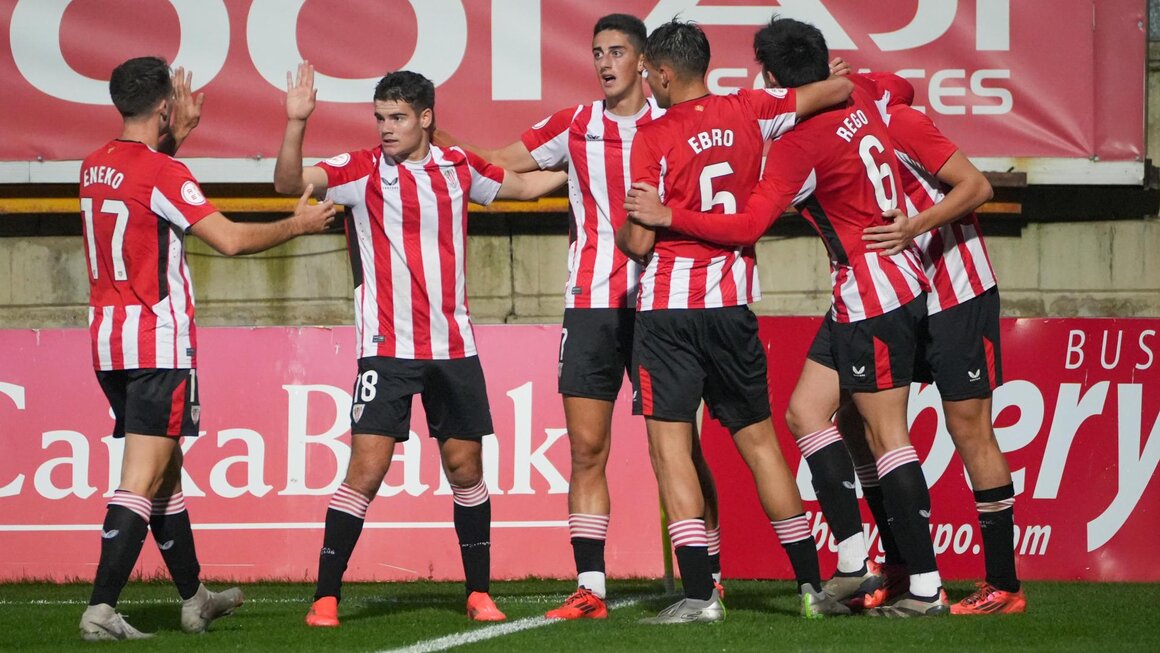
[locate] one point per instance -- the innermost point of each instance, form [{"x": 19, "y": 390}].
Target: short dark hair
[
  {"x": 630, "y": 26},
  {"x": 683, "y": 45},
  {"x": 793, "y": 51},
  {"x": 406, "y": 86},
  {"x": 138, "y": 85}
]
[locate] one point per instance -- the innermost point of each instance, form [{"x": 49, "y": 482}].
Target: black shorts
[
  {"x": 453, "y": 391},
  {"x": 152, "y": 401},
  {"x": 959, "y": 349},
  {"x": 873, "y": 354},
  {"x": 683, "y": 355},
  {"x": 595, "y": 351}
]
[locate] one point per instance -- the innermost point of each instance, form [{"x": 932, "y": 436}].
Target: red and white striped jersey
[
  {"x": 137, "y": 205},
  {"x": 954, "y": 255},
  {"x": 839, "y": 169},
  {"x": 596, "y": 146},
  {"x": 705, "y": 155},
  {"x": 406, "y": 229}
]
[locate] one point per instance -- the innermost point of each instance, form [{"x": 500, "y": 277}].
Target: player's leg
[
  {"x": 458, "y": 416},
  {"x": 894, "y": 580},
  {"x": 875, "y": 362},
  {"x": 153, "y": 410},
  {"x": 712, "y": 513},
  {"x": 966, "y": 360},
  {"x": 737, "y": 393},
  {"x": 173, "y": 534},
  {"x": 668, "y": 378},
  {"x": 380, "y": 418}
]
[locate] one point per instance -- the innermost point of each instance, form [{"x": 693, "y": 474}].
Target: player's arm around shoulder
[
  {"x": 514, "y": 156},
  {"x": 814, "y": 97},
  {"x": 530, "y": 185},
  {"x": 233, "y": 238}
]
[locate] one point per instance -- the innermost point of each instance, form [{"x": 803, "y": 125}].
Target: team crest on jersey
[
  {"x": 339, "y": 161},
  {"x": 195, "y": 414},
  {"x": 192, "y": 194},
  {"x": 452, "y": 178},
  {"x": 356, "y": 411}
]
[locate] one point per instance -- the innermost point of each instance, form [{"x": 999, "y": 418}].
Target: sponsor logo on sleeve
[{"x": 191, "y": 193}]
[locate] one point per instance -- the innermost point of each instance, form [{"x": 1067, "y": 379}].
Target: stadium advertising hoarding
[
  {"x": 1054, "y": 88},
  {"x": 1079, "y": 419}
]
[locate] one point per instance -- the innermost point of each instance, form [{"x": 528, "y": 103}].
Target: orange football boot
[
  {"x": 480, "y": 607},
  {"x": 324, "y": 613},
  {"x": 988, "y": 599},
  {"x": 583, "y": 604}
]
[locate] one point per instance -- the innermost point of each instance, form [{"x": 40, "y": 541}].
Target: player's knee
[{"x": 794, "y": 420}]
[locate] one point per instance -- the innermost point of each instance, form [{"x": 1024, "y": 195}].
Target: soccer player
[
  {"x": 406, "y": 225},
  {"x": 960, "y": 345},
  {"x": 695, "y": 336},
  {"x": 594, "y": 141},
  {"x": 137, "y": 204},
  {"x": 839, "y": 168}
]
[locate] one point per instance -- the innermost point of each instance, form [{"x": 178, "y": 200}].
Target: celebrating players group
[{"x": 669, "y": 194}]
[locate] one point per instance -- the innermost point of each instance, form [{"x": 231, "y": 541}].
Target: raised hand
[
  {"x": 300, "y": 92},
  {"x": 185, "y": 109}
]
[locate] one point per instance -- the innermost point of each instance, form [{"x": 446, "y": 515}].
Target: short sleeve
[
  {"x": 547, "y": 140},
  {"x": 915, "y": 133},
  {"x": 774, "y": 108},
  {"x": 486, "y": 179},
  {"x": 178, "y": 198},
  {"x": 645, "y": 160},
  {"x": 343, "y": 169}
]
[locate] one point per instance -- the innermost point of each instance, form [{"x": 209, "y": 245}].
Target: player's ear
[{"x": 427, "y": 118}]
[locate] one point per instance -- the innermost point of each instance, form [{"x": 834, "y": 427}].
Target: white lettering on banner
[
  {"x": 524, "y": 458},
  {"x": 188, "y": 487},
  {"x": 253, "y": 462},
  {"x": 410, "y": 460},
  {"x": 1075, "y": 340},
  {"x": 116, "y": 450},
  {"x": 272, "y": 39},
  {"x": 931, "y": 20},
  {"x": 16, "y": 394},
  {"x": 515, "y": 50},
  {"x": 1029, "y": 540},
  {"x": 1134, "y": 470},
  {"x": 1104, "y": 351},
  {"x": 77, "y": 461},
  {"x": 1006, "y": 100},
  {"x": 36, "y": 48},
  {"x": 297, "y": 439},
  {"x": 1024, "y": 396},
  {"x": 1071, "y": 411},
  {"x": 1145, "y": 349}
]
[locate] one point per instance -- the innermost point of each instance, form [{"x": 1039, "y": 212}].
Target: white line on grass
[
  {"x": 526, "y": 598},
  {"x": 491, "y": 632}
]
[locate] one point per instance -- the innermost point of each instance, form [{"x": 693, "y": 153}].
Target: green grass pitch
[{"x": 762, "y": 617}]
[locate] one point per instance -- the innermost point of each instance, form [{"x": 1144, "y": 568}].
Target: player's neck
[
  {"x": 628, "y": 104},
  {"x": 143, "y": 131},
  {"x": 685, "y": 91}
]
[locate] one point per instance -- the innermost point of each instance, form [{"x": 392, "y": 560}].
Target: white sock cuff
[
  {"x": 591, "y": 527},
  {"x": 469, "y": 497}
]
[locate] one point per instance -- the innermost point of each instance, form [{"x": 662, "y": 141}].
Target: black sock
[
  {"x": 122, "y": 535},
  {"x": 877, "y": 506},
  {"x": 907, "y": 500},
  {"x": 342, "y": 532},
  {"x": 174, "y": 538},
  {"x": 473, "y": 526},
  {"x": 803, "y": 557},
  {"x": 998, "y": 527},
  {"x": 715, "y": 564},
  {"x": 833, "y": 481},
  {"x": 588, "y": 554},
  {"x": 696, "y": 577}
]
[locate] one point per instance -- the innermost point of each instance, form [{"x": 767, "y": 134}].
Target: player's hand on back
[
  {"x": 893, "y": 237},
  {"x": 300, "y": 92},
  {"x": 644, "y": 206},
  {"x": 313, "y": 218},
  {"x": 185, "y": 109},
  {"x": 839, "y": 67}
]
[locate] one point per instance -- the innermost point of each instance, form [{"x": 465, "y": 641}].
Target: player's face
[
  {"x": 402, "y": 132},
  {"x": 617, "y": 63},
  {"x": 658, "y": 83}
]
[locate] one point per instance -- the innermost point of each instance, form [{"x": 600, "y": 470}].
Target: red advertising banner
[
  {"x": 1004, "y": 79},
  {"x": 275, "y": 440},
  {"x": 1079, "y": 419}
]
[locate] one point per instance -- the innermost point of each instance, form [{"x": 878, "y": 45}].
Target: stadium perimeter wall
[{"x": 1047, "y": 269}]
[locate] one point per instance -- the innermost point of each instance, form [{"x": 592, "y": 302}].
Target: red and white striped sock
[
  {"x": 139, "y": 505},
  {"x": 347, "y": 499},
  {"x": 469, "y": 497},
  {"x": 170, "y": 505}
]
